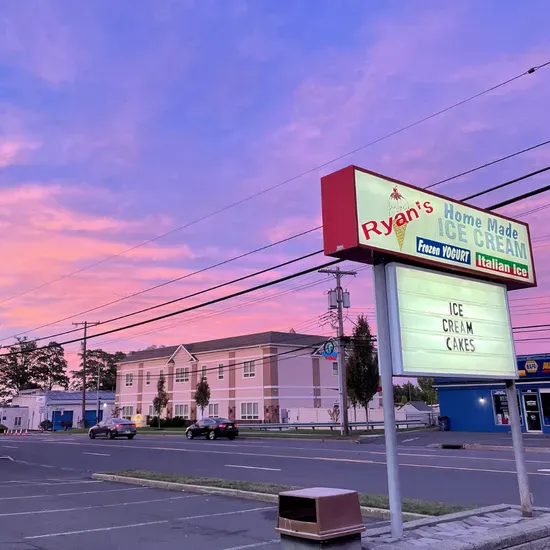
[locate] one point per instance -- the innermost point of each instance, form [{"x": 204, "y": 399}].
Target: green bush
[
  {"x": 46, "y": 425},
  {"x": 3, "y": 428},
  {"x": 176, "y": 422}
]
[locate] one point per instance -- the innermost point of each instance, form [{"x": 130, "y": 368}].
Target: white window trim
[
  {"x": 335, "y": 372},
  {"x": 129, "y": 376},
  {"x": 221, "y": 371},
  {"x": 253, "y": 416},
  {"x": 148, "y": 378},
  {"x": 211, "y": 406},
  {"x": 181, "y": 375},
  {"x": 249, "y": 364}
]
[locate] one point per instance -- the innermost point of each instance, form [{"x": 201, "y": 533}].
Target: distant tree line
[{"x": 26, "y": 366}]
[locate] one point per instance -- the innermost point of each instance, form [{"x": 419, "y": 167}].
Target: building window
[
  {"x": 220, "y": 372},
  {"x": 500, "y": 405},
  {"x": 182, "y": 374},
  {"x": 17, "y": 421},
  {"x": 335, "y": 368},
  {"x": 151, "y": 410},
  {"x": 249, "y": 411},
  {"x": 249, "y": 370},
  {"x": 181, "y": 410},
  {"x": 213, "y": 410},
  {"x": 130, "y": 379},
  {"x": 147, "y": 378},
  {"x": 203, "y": 373},
  {"x": 127, "y": 411},
  {"x": 161, "y": 372},
  {"x": 545, "y": 403}
]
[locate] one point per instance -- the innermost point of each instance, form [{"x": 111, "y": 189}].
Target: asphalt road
[
  {"x": 472, "y": 477},
  {"x": 49, "y": 509}
]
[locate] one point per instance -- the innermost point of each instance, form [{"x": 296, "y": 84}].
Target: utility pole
[
  {"x": 340, "y": 299},
  {"x": 85, "y": 325}
]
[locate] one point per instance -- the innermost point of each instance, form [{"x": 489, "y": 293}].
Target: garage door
[{"x": 61, "y": 418}]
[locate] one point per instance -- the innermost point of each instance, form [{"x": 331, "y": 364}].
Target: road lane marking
[
  {"x": 544, "y": 470},
  {"x": 411, "y": 439},
  {"x": 97, "y": 454},
  {"x": 69, "y": 494},
  {"x": 255, "y": 545},
  {"x": 232, "y": 513},
  {"x": 318, "y": 458},
  {"x": 101, "y": 491},
  {"x": 252, "y": 467},
  {"x": 10, "y": 447},
  {"x": 85, "y": 531},
  {"x": 144, "y": 524},
  {"x": 38, "y": 484},
  {"x": 79, "y": 508}
]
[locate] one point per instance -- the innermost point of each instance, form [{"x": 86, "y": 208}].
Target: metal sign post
[
  {"x": 526, "y": 503},
  {"x": 390, "y": 429}
]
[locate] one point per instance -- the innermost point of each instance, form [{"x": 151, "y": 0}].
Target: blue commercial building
[{"x": 482, "y": 405}]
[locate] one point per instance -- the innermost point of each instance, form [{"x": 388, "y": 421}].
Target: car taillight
[
  {"x": 119, "y": 425},
  {"x": 132, "y": 425},
  {"x": 235, "y": 425},
  {"x": 222, "y": 425}
]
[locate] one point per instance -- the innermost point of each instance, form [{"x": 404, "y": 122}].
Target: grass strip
[{"x": 412, "y": 506}]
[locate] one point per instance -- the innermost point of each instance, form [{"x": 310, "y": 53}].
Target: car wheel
[
  {"x": 111, "y": 434},
  {"x": 130, "y": 437},
  {"x": 92, "y": 435},
  {"x": 231, "y": 437},
  {"x": 212, "y": 435},
  {"x": 189, "y": 434}
]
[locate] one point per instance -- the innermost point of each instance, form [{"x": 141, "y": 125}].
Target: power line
[
  {"x": 192, "y": 295},
  {"x": 192, "y": 308},
  {"x": 506, "y": 184},
  {"x": 284, "y": 182},
  {"x": 258, "y": 287},
  {"x": 487, "y": 164},
  {"x": 165, "y": 283},
  {"x": 308, "y": 231}
]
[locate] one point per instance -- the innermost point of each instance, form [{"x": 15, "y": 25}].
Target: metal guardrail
[{"x": 330, "y": 425}]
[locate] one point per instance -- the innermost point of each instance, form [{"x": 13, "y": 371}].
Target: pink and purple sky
[{"x": 119, "y": 122}]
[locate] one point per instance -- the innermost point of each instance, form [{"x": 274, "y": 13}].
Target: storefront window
[
  {"x": 545, "y": 402},
  {"x": 500, "y": 405}
]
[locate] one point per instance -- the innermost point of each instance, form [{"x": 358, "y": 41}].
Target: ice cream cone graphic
[{"x": 398, "y": 204}]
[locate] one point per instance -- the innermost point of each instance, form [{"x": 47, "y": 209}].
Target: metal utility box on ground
[{"x": 319, "y": 514}]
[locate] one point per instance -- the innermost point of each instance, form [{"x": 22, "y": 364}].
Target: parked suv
[{"x": 114, "y": 427}]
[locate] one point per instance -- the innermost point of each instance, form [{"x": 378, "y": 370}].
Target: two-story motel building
[{"x": 254, "y": 377}]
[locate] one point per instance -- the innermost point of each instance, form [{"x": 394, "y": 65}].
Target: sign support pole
[
  {"x": 390, "y": 430},
  {"x": 526, "y": 504}
]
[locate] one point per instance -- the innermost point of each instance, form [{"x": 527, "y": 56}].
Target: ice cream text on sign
[{"x": 460, "y": 328}]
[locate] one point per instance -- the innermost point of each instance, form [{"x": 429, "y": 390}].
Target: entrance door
[{"x": 532, "y": 412}]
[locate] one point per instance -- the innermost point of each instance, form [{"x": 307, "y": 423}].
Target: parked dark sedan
[
  {"x": 114, "y": 427},
  {"x": 213, "y": 428}
]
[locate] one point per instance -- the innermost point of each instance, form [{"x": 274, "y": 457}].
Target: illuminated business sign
[
  {"x": 536, "y": 366},
  {"x": 448, "y": 326},
  {"x": 366, "y": 216}
]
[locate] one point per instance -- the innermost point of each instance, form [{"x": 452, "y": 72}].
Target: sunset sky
[{"x": 122, "y": 121}]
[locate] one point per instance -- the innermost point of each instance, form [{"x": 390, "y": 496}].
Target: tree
[
  {"x": 51, "y": 367},
  {"x": 18, "y": 367},
  {"x": 202, "y": 395},
  {"x": 428, "y": 393},
  {"x": 405, "y": 393},
  {"x": 362, "y": 366},
  {"x": 106, "y": 362},
  {"x": 161, "y": 400}
]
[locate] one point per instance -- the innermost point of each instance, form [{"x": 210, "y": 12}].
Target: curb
[{"x": 366, "y": 511}]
